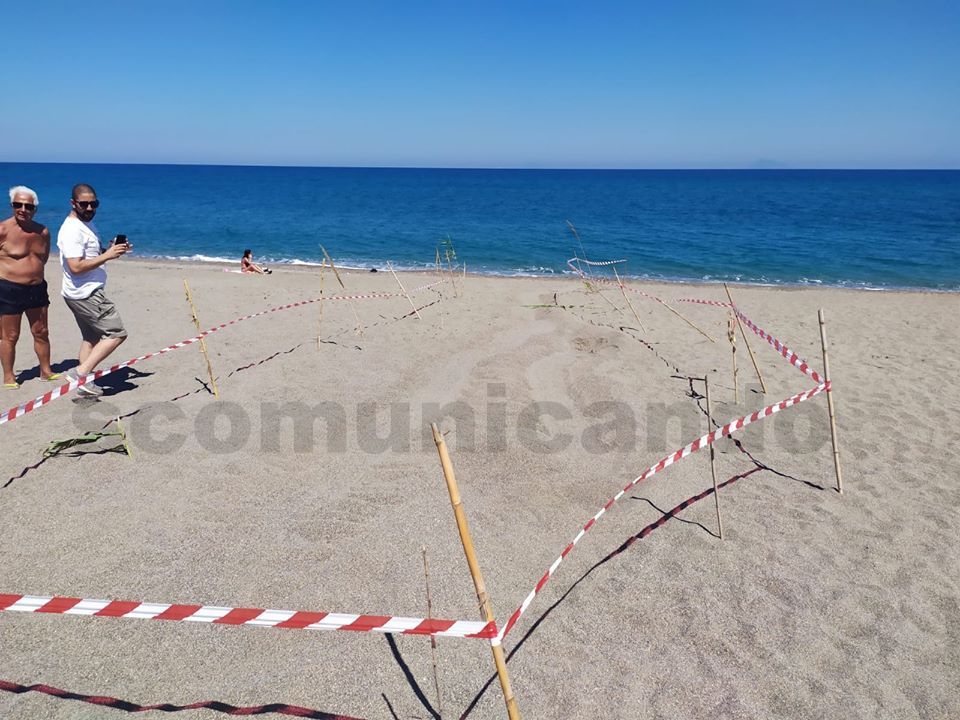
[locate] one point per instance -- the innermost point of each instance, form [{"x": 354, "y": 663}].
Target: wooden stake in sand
[
  {"x": 450, "y": 254},
  {"x": 512, "y": 712},
  {"x": 433, "y": 638},
  {"x": 323, "y": 268},
  {"x": 203, "y": 345},
  {"x": 610, "y": 302},
  {"x": 440, "y": 286},
  {"x": 833, "y": 418},
  {"x": 625, "y": 297},
  {"x": 732, "y": 337},
  {"x": 685, "y": 319},
  {"x": 404, "y": 290},
  {"x": 329, "y": 259},
  {"x": 713, "y": 461},
  {"x": 733, "y": 307}
]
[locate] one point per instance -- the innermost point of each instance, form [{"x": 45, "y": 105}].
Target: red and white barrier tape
[
  {"x": 608, "y": 281},
  {"x": 715, "y": 303},
  {"x": 132, "y": 707},
  {"x": 697, "y": 444},
  {"x": 592, "y": 263},
  {"x": 666, "y": 462},
  {"x": 256, "y": 617},
  {"x": 51, "y": 395},
  {"x": 790, "y": 356},
  {"x": 786, "y": 352}
]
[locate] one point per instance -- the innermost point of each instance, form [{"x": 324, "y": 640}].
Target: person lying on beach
[
  {"x": 247, "y": 265},
  {"x": 24, "y": 250}
]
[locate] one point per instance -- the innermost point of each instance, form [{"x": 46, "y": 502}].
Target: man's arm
[
  {"x": 46, "y": 245},
  {"x": 81, "y": 265}
]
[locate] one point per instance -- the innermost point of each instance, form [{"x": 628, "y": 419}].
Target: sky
[{"x": 484, "y": 84}]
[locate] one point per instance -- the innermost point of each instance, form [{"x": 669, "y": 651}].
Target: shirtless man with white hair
[{"x": 24, "y": 250}]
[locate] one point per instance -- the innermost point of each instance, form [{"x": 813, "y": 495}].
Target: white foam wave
[
  {"x": 200, "y": 258},
  {"x": 541, "y": 271}
]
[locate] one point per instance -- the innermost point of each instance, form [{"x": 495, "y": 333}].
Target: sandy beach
[{"x": 312, "y": 484}]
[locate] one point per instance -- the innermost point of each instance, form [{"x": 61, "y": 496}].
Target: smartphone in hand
[{"x": 120, "y": 240}]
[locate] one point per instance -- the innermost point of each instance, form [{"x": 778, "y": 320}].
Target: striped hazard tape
[
  {"x": 715, "y": 303},
  {"x": 593, "y": 263},
  {"x": 607, "y": 281},
  {"x": 51, "y": 395},
  {"x": 255, "y": 617},
  {"x": 683, "y": 452},
  {"x": 790, "y": 356},
  {"x": 212, "y": 705},
  {"x": 784, "y": 351},
  {"x": 664, "y": 463}
]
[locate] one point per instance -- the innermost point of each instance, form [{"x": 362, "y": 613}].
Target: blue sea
[{"x": 850, "y": 228}]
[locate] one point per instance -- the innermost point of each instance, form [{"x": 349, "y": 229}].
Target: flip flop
[
  {"x": 55, "y": 376},
  {"x": 11, "y": 386}
]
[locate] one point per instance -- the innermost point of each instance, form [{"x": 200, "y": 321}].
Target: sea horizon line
[{"x": 492, "y": 168}]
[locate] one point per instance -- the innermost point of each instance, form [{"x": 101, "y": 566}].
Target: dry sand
[{"x": 815, "y": 605}]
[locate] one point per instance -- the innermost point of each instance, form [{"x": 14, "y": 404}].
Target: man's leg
[
  {"x": 9, "y": 334},
  {"x": 37, "y": 317},
  {"x": 101, "y": 327},
  {"x": 86, "y": 347},
  {"x": 98, "y": 353}
]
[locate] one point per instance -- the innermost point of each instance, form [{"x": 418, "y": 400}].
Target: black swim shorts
[{"x": 16, "y": 298}]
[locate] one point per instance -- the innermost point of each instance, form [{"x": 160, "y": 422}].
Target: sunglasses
[
  {"x": 87, "y": 204},
  {"x": 23, "y": 206}
]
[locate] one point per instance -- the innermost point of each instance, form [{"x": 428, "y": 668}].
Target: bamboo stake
[
  {"x": 512, "y": 712},
  {"x": 590, "y": 286},
  {"x": 713, "y": 461},
  {"x": 440, "y": 286},
  {"x": 326, "y": 255},
  {"x": 612, "y": 304},
  {"x": 627, "y": 298},
  {"x": 404, "y": 290},
  {"x": 684, "y": 318},
  {"x": 327, "y": 258},
  {"x": 732, "y": 337},
  {"x": 746, "y": 340},
  {"x": 323, "y": 272},
  {"x": 830, "y": 408},
  {"x": 595, "y": 289},
  {"x": 433, "y": 638},
  {"x": 203, "y": 345}
]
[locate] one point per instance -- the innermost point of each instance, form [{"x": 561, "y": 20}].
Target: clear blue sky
[{"x": 484, "y": 84}]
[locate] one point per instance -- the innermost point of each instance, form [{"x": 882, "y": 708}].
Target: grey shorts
[{"x": 97, "y": 317}]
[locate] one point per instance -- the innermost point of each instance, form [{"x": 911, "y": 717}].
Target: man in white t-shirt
[{"x": 84, "y": 275}]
